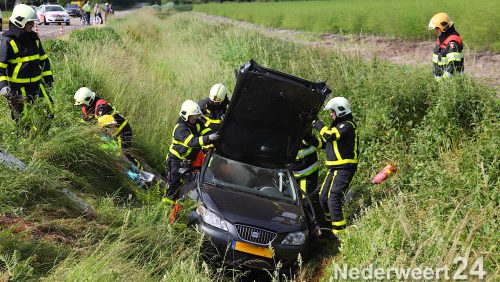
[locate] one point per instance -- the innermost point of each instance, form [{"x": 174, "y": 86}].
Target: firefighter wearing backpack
[
  {"x": 448, "y": 56},
  {"x": 24, "y": 67},
  {"x": 341, "y": 144},
  {"x": 94, "y": 107}
]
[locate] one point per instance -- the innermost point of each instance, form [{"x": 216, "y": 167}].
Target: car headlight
[
  {"x": 295, "y": 238},
  {"x": 211, "y": 218}
]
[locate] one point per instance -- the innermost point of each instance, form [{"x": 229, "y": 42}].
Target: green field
[
  {"x": 443, "y": 138},
  {"x": 479, "y": 24}
]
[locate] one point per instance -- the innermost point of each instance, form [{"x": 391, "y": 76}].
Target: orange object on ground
[
  {"x": 175, "y": 210},
  {"x": 383, "y": 174}
]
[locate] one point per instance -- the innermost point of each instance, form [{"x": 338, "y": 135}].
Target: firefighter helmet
[
  {"x": 22, "y": 14},
  {"x": 84, "y": 96},
  {"x": 189, "y": 108},
  {"x": 339, "y": 105},
  {"x": 218, "y": 93},
  {"x": 441, "y": 21}
]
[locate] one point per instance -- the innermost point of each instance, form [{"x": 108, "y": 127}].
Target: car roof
[{"x": 269, "y": 114}]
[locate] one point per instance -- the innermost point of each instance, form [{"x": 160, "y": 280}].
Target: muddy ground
[{"x": 483, "y": 65}]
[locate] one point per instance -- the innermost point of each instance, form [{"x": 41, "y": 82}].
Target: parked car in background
[
  {"x": 73, "y": 10},
  {"x": 48, "y": 14},
  {"x": 249, "y": 204}
]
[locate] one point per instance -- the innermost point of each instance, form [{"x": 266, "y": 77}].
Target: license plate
[
  {"x": 59, "y": 19},
  {"x": 252, "y": 249}
]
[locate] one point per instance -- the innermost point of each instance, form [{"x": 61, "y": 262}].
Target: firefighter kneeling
[{"x": 341, "y": 145}]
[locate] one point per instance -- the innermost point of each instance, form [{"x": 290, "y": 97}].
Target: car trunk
[{"x": 269, "y": 113}]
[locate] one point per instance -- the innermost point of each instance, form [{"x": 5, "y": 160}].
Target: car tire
[
  {"x": 67, "y": 23},
  {"x": 1, "y": 24},
  {"x": 45, "y": 21}
]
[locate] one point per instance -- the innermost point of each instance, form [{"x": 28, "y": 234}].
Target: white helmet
[
  {"x": 22, "y": 14},
  {"x": 218, "y": 93},
  {"x": 189, "y": 108},
  {"x": 84, "y": 96},
  {"x": 339, "y": 105}
]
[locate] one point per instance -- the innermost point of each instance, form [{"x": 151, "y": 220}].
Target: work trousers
[
  {"x": 308, "y": 184},
  {"x": 174, "y": 177},
  {"x": 22, "y": 115},
  {"x": 332, "y": 195}
]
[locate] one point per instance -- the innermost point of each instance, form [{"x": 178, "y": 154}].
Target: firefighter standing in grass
[
  {"x": 94, "y": 107},
  {"x": 24, "y": 67},
  {"x": 188, "y": 137},
  {"x": 214, "y": 107},
  {"x": 448, "y": 56},
  {"x": 341, "y": 145}
]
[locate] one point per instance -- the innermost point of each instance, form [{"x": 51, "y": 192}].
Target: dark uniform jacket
[
  {"x": 306, "y": 161},
  {"x": 187, "y": 140},
  {"x": 100, "y": 107},
  {"x": 340, "y": 142},
  {"x": 23, "y": 62},
  {"x": 213, "y": 113},
  {"x": 448, "y": 56}
]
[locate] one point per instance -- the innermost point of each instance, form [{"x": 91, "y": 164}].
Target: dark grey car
[
  {"x": 249, "y": 203},
  {"x": 73, "y": 10}
]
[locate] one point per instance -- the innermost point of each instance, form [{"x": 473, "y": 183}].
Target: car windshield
[
  {"x": 72, "y": 6},
  {"x": 54, "y": 9},
  {"x": 273, "y": 183}
]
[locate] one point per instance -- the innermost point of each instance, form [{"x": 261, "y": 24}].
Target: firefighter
[
  {"x": 341, "y": 145},
  {"x": 448, "y": 56},
  {"x": 188, "y": 137},
  {"x": 305, "y": 170},
  {"x": 25, "y": 71},
  {"x": 94, "y": 107},
  {"x": 215, "y": 106}
]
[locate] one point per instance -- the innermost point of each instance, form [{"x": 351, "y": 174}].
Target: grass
[
  {"x": 441, "y": 203},
  {"x": 477, "y": 24}
]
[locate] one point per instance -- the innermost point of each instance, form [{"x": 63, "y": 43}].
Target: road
[{"x": 56, "y": 30}]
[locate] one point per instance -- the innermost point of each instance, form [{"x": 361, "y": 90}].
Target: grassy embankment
[
  {"x": 479, "y": 25},
  {"x": 442, "y": 203}
]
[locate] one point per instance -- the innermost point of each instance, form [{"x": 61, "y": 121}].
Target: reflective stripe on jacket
[
  {"x": 448, "y": 57},
  {"x": 187, "y": 140},
  {"x": 341, "y": 144},
  {"x": 23, "y": 61}
]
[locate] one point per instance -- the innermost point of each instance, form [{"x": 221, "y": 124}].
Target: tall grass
[
  {"x": 441, "y": 203},
  {"x": 478, "y": 24}
]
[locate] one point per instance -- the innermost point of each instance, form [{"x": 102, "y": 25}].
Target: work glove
[
  {"x": 317, "y": 124},
  {"x": 214, "y": 136},
  {"x": 15, "y": 101},
  {"x": 6, "y": 91}
]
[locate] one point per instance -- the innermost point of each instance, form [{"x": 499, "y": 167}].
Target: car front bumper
[
  {"x": 57, "y": 20},
  {"x": 221, "y": 244}
]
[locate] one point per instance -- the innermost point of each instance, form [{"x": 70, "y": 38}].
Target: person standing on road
[
  {"x": 87, "y": 8},
  {"x": 97, "y": 12},
  {"x": 106, "y": 11},
  {"x": 341, "y": 145},
  {"x": 188, "y": 137},
  {"x": 215, "y": 106},
  {"x": 448, "y": 56},
  {"x": 24, "y": 68}
]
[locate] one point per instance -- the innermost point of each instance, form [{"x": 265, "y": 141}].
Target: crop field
[
  {"x": 443, "y": 138},
  {"x": 479, "y": 24}
]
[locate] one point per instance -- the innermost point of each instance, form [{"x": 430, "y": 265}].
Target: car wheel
[
  {"x": 67, "y": 23},
  {"x": 45, "y": 21},
  {"x": 1, "y": 24}
]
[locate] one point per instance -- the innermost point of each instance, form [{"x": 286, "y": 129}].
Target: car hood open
[{"x": 268, "y": 116}]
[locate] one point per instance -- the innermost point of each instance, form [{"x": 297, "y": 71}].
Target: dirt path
[{"x": 482, "y": 65}]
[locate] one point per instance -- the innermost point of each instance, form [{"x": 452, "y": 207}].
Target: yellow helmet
[
  {"x": 441, "y": 21},
  {"x": 106, "y": 120}
]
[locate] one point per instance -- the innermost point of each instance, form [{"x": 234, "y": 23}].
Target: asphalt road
[{"x": 56, "y": 30}]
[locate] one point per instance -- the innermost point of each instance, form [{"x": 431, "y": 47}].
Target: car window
[
  {"x": 54, "y": 9},
  {"x": 272, "y": 183},
  {"x": 71, "y": 6}
]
